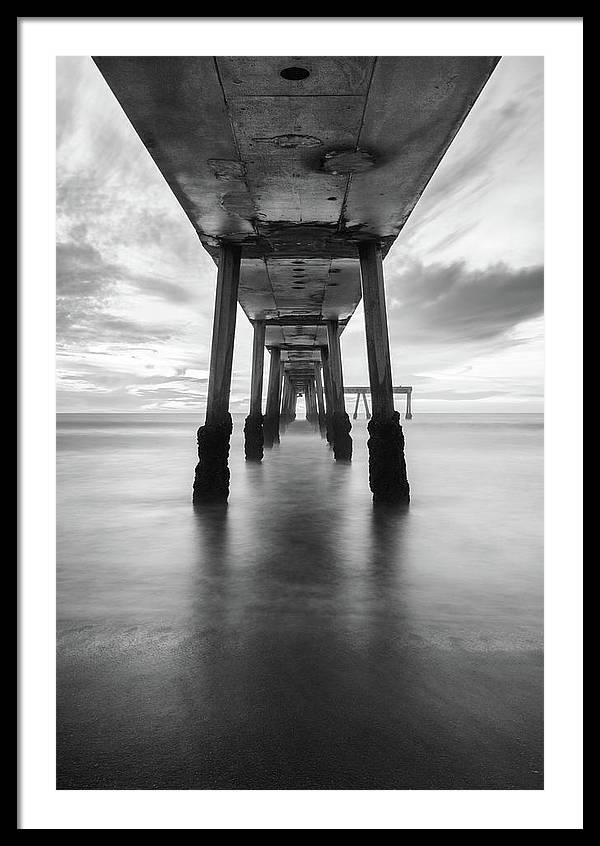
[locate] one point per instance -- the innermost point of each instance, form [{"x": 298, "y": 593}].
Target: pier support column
[
  {"x": 279, "y": 394},
  {"x": 340, "y": 422},
  {"x": 327, "y": 390},
  {"x": 271, "y": 420},
  {"x": 253, "y": 427},
  {"x": 307, "y": 401},
  {"x": 387, "y": 466},
  {"x": 320, "y": 398},
  {"x": 285, "y": 399},
  {"x": 287, "y": 402},
  {"x": 312, "y": 413},
  {"x": 294, "y": 401},
  {"x": 211, "y": 482}
]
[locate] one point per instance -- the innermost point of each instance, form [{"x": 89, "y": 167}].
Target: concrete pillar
[
  {"x": 320, "y": 398},
  {"x": 285, "y": 399},
  {"x": 253, "y": 427},
  {"x": 287, "y": 402},
  {"x": 271, "y": 420},
  {"x": 307, "y": 402},
  {"x": 211, "y": 482},
  {"x": 280, "y": 389},
  {"x": 327, "y": 389},
  {"x": 312, "y": 413},
  {"x": 340, "y": 422},
  {"x": 294, "y": 399},
  {"x": 387, "y": 466}
]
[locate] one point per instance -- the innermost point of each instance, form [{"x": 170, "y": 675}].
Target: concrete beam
[{"x": 300, "y": 320}]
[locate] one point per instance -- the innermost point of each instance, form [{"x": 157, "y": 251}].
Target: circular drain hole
[{"x": 295, "y": 74}]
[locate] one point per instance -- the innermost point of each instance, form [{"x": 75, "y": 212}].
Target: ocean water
[{"x": 299, "y": 638}]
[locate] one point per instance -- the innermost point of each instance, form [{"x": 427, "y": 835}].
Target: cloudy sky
[{"x": 135, "y": 288}]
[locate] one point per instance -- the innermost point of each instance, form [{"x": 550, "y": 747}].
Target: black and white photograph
[{"x": 300, "y": 389}]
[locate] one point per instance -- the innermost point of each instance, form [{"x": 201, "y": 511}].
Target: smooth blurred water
[{"x": 300, "y": 638}]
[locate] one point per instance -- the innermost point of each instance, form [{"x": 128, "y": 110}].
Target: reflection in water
[
  {"x": 299, "y": 637},
  {"x": 385, "y": 572},
  {"x": 211, "y": 522},
  {"x": 387, "y": 525}
]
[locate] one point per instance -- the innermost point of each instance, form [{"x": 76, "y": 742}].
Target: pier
[
  {"x": 298, "y": 174},
  {"x": 363, "y": 391}
]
